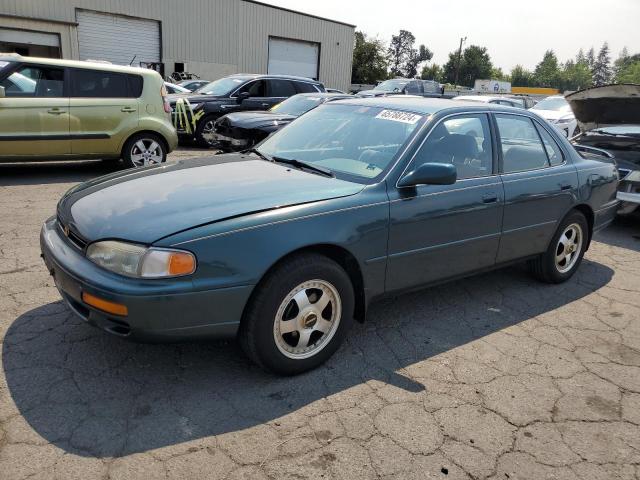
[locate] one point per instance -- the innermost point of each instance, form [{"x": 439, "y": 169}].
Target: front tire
[
  {"x": 299, "y": 315},
  {"x": 144, "y": 149},
  {"x": 204, "y": 129},
  {"x": 565, "y": 253}
]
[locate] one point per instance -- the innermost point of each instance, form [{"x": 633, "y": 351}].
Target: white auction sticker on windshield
[{"x": 396, "y": 116}]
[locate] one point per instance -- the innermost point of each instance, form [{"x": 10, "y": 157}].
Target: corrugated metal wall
[{"x": 220, "y": 36}]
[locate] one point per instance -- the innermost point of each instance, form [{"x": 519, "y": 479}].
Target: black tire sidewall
[
  {"x": 550, "y": 255},
  {"x": 286, "y": 280},
  {"x": 200, "y": 127},
  {"x": 126, "y": 156}
]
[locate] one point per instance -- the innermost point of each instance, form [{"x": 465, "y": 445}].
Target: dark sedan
[
  {"x": 241, "y": 130},
  {"x": 285, "y": 246},
  {"x": 194, "y": 114}
]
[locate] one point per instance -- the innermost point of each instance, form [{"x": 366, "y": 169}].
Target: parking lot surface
[{"x": 496, "y": 376}]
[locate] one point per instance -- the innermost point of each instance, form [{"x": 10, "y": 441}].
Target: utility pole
[{"x": 462, "y": 40}]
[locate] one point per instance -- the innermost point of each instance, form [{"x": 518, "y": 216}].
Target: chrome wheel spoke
[
  {"x": 302, "y": 300},
  {"x": 141, "y": 146},
  {"x": 289, "y": 326},
  {"x": 322, "y": 303},
  {"x": 153, "y": 148},
  {"x": 569, "y": 248},
  {"x": 303, "y": 339},
  {"x": 322, "y": 325}
]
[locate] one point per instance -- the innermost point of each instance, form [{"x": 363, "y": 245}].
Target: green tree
[
  {"x": 521, "y": 77},
  {"x": 403, "y": 57},
  {"x": 498, "y": 74},
  {"x": 621, "y": 62},
  {"x": 369, "y": 60},
  {"x": 591, "y": 58},
  {"x": 475, "y": 64},
  {"x": 575, "y": 76},
  {"x": 547, "y": 72},
  {"x": 432, "y": 72},
  {"x": 630, "y": 73},
  {"x": 601, "y": 71}
]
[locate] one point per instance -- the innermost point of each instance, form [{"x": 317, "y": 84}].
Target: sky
[{"x": 518, "y": 32}]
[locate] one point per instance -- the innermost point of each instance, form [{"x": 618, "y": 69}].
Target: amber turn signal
[
  {"x": 181, "y": 263},
  {"x": 105, "y": 305}
]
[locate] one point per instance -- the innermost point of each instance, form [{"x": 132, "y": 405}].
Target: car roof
[
  {"x": 284, "y": 77},
  {"x": 323, "y": 95},
  {"x": 86, "y": 64},
  {"x": 424, "y": 106}
]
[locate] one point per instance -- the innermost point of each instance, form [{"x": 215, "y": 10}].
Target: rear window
[
  {"x": 280, "y": 88},
  {"x": 98, "y": 84}
]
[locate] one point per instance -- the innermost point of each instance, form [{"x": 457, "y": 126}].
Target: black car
[
  {"x": 241, "y": 130},
  {"x": 235, "y": 93},
  {"x": 609, "y": 120}
]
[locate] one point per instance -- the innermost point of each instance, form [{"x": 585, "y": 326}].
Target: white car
[{"x": 557, "y": 111}]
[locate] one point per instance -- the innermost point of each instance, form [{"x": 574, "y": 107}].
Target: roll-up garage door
[
  {"x": 117, "y": 39},
  {"x": 293, "y": 57}
]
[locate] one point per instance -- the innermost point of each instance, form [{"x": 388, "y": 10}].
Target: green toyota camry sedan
[{"x": 285, "y": 245}]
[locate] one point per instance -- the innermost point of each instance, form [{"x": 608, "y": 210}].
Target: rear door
[
  {"x": 540, "y": 185},
  {"x": 279, "y": 89},
  {"x": 34, "y": 114},
  {"x": 104, "y": 110}
]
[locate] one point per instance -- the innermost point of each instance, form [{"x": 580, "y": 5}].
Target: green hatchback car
[{"x": 54, "y": 109}]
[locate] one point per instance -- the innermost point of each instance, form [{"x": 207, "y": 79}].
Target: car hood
[
  {"x": 606, "y": 106},
  {"x": 552, "y": 114},
  {"x": 146, "y": 205},
  {"x": 255, "y": 119},
  {"x": 193, "y": 98}
]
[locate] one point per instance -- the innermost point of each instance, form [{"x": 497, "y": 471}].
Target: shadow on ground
[
  {"x": 44, "y": 173},
  {"x": 623, "y": 233},
  {"x": 96, "y": 395}
]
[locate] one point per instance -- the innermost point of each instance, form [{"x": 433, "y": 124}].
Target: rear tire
[
  {"x": 299, "y": 315},
  {"x": 144, "y": 149},
  {"x": 565, "y": 252}
]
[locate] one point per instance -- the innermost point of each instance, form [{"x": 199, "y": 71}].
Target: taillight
[{"x": 163, "y": 94}]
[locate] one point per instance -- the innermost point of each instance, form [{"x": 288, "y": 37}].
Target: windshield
[
  {"x": 222, "y": 86},
  {"x": 296, "y": 105},
  {"x": 558, "y": 104},
  {"x": 356, "y": 141},
  {"x": 392, "y": 85}
]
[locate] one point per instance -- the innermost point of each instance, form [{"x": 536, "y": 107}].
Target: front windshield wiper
[
  {"x": 304, "y": 165},
  {"x": 257, "y": 152}
]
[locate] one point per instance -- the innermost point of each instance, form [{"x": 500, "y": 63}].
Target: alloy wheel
[
  {"x": 307, "y": 319},
  {"x": 145, "y": 152},
  {"x": 569, "y": 248}
]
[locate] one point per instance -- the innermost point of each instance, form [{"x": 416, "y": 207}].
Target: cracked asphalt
[{"x": 493, "y": 377}]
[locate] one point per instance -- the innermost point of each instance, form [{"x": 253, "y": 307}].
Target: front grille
[{"x": 72, "y": 237}]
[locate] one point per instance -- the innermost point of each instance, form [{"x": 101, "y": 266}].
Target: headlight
[
  {"x": 565, "y": 120},
  {"x": 141, "y": 262}
]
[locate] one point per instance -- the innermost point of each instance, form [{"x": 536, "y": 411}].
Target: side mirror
[
  {"x": 430, "y": 174},
  {"x": 242, "y": 96},
  {"x": 2, "y": 92}
]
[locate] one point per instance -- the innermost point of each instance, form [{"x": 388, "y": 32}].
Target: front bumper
[{"x": 167, "y": 310}]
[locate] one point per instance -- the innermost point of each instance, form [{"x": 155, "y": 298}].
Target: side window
[
  {"x": 280, "y": 88},
  {"x": 464, "y": 141},
  {"x": 255, "y": 89},
  {"x": 522, "y": 149},
  {"x": 97, "y": 84},
  {"x": 414, "y": 87},
  {"x": 551, "y": 147},
  {"x": 35, "y": 81},
  {"x": 304, "y": 87}
]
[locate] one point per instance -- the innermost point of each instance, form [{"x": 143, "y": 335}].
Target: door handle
[
  {"x": 490, "y": 198},
  {"x": 128, "y": 109},
  {"x": 565, "y": 186},
  {"x": 265, "y": 104},
  {"x": 55, "y": 111}
]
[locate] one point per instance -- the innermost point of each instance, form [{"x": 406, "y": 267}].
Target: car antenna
[{"x": 131, "y": 62}]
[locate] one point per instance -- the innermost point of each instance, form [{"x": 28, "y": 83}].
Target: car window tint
[
  {"x": 551, "y": 146},
  {"x": 280, "y": 88},
  {"x": 32, "y": 81},
  {"x": 304, "y": 87},
  {"x": 414, "y": 87},
  {"x": 135, "y": 85},
  {"x": 464, "y": 141},
  {"x": 97, "y": 84},
  {"x": 255, "y": 89},
  {"x": 521, "y": 146}
]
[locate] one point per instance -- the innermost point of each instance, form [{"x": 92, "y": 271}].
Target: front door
[
  {"x": 104, "y": 111},
  {"x": 34, "y": 114},
  {"x": 540, "y": 186},
  {"x": 442, "y": 231}
]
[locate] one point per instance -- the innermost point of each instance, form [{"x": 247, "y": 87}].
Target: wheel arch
[
  {"x": 342, "y": 257},
  {"x": 587, "y": 211}
]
